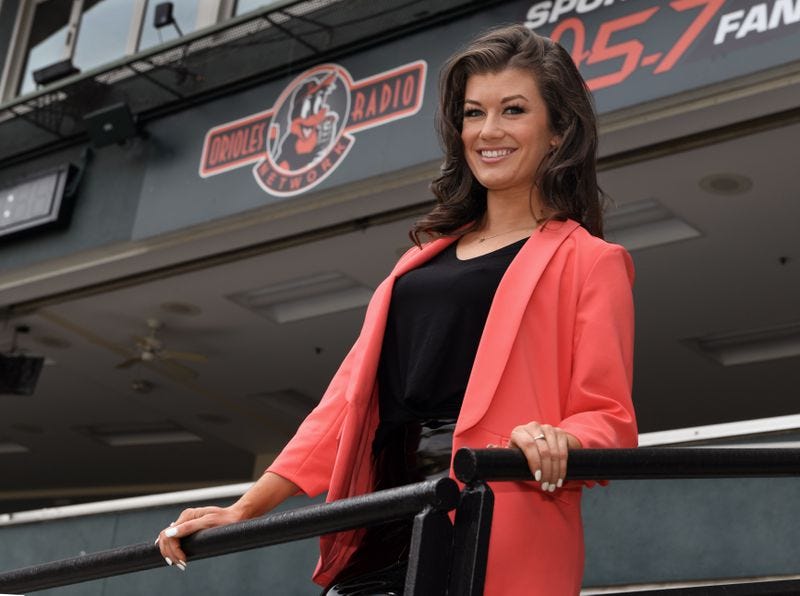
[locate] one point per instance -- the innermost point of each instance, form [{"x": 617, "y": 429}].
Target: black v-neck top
[{"x": 436, "y": 318}]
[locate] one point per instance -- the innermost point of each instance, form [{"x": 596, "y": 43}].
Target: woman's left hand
[{"x": 546, "y": 448}]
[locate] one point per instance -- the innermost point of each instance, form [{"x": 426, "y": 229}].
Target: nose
[{"x": 491, "y": 128}]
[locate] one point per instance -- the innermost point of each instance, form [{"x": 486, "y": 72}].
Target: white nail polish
[
  {"x": 537, "y": 475},
  {"x": 545, "y": 486},
  {"x": 560, "y": 482},
  {"x": 182, "y": 562},
  {"x": 157, "y": 539},
  {"x": 168, "y": 560},
  {"x": 171, "y": 532},
  {"x": 552, "y": 488},
  {"x": 181, "y": 567}
]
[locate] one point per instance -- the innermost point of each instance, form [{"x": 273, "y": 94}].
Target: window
[
  {"x": 90, "y": 33},
  {"x": 185, "y": 14},
  {"x": 243, "y": 6},
  {"x": 48, "y": 41}
]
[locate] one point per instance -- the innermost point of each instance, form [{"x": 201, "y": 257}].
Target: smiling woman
[{"x": 513, "y": 327}]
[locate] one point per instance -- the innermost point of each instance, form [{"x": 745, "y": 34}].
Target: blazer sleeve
[
  {"x": 308, "y": 458},
  {"x": 599, "y": 406}
]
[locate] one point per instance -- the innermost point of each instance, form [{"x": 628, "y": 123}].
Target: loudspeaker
[
  {"x": 54, "y": 72},
  {"x": 112, "y": 124},
  {"x": 18, "y": 374},
  {"x": 163, "y": 15}
]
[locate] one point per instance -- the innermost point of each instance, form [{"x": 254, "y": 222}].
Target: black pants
[{"x": 412, "y": 452}]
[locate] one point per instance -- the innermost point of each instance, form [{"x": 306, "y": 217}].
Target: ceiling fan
[{"x": 150, "y": 349}]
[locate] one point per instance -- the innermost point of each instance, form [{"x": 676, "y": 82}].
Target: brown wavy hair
[{"x": 567, "y": 176}]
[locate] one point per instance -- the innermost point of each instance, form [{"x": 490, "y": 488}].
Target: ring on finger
[{"x": 539, "y": 436}]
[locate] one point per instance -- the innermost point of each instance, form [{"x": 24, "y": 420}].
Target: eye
[
  {"x": 472, "y": 113},
  {"x": 514, "y": 109},
  {"x": 317, "y": 103},
  {"x": 306, "y": 108}
]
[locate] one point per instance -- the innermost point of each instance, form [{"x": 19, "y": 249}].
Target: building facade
[{"x": 197, "y": 199}]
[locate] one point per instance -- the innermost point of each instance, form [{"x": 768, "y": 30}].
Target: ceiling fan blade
[
  {"x": 128, "y": 363},
  {"x": 188, "y": 356},
  {"x": 175, "y": 370}
]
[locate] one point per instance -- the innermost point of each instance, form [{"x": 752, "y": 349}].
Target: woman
[{"x": 513, "y": 327}]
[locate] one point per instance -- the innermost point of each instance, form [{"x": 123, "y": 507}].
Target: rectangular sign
[{"x": 635, "y": 51}]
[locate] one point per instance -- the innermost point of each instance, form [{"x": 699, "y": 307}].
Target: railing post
[
  {"x": 429, "y": 557},
  {"x": 471, "y": 532}
]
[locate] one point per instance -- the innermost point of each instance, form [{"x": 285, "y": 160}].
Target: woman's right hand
[
  {"x": 190, "y": 521},
  {"x": 268, "y": 492}
]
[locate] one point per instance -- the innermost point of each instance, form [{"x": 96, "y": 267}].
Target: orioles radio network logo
[{"x": 304, "y": 137}]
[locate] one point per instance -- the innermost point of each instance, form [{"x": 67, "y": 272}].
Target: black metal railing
[
  {"x": 476, "y": 467},
  {"x": 445, "y": 558},
  {"x": 427, "y": 502}
]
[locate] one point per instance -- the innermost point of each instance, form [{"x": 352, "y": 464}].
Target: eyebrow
[{"x": 504, "y": 100}]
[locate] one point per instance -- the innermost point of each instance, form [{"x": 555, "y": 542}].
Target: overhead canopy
[{"x": 244, "y": 51}]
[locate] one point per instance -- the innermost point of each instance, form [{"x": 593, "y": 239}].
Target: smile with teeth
[{"x": 492, "y": 153}]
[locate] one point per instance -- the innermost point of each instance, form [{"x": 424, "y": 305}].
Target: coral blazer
[{"x": 557, "y": 348}]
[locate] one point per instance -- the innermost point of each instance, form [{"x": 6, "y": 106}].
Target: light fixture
[
  {"x": 304, "y": 297},
  {"x": 758, "y": 345},
  {"x": 7, "y": 447},
  {"x": 55, "y": 72},
  {"x": 150, "y": 438},
  {"x": 137, "y": 434},
  {"x": 645, "y": 223}
]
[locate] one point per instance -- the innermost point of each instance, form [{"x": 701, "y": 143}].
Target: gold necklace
[{"x": 485, "y": 238}]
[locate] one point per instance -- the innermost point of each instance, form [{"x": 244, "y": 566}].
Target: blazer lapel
[
  {"x": 505, "y": 316},
  {"x": 370, "y": 341}
]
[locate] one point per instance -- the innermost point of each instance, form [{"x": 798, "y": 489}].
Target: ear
[{"x": 555, "y": 141}]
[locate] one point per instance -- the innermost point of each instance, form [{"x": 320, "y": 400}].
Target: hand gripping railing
[
  {"x": 427, "y": 502},
  {"x": 475, "y": 467}
]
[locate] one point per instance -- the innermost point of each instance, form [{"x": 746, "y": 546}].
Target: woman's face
[{"x": 505, "y": 131}]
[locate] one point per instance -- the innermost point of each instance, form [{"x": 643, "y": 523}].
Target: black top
[{"x": 436, "y": 318}]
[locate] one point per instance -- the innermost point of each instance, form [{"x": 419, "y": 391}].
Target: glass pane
[
  {"x": 243, "y": 6},
  {"x": 185, "y": 14},
  {"x": 47, "y": 40},
  {"x": 103, "y": 33}
]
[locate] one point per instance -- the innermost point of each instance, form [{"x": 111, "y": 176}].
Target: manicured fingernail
[
  {"x": 181, "y": 566},
  {"x": 172, "y": 524},
  {"x": 552, "y": 488},
  {"x": 545, "y": 486},
  {"x": 168, "y": 560},
  {"x": 182, "y": 562},
  {"x": 560, "y": 482},
  {"x": 157, "y": 539},
  {"x": 537, "y": 475},
  {"x": 171, "y": 532}
]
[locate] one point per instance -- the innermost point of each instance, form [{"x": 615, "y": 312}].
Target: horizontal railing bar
[
  {"x": 766, "y": 588},
  {"x": 471, "y": 465},
  {"x": 275, "y": 528}
]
